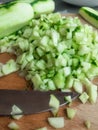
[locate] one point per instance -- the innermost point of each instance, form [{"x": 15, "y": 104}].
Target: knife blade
[
  {"x": 5, "y": 1},
  {"x": 29, "y": 101}
]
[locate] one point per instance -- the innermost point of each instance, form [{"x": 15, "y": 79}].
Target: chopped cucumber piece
[
  {"x": 84, "y": 97},
  {"x": 78, "y": 87},
  {"x": 68, "y": 99},
  {"x": 71, "y": 113},
  {"x": 87, "y": 124},
  {"x": 59, "y": 80},
  {"x": 16, "y": 112},
  {"x": 13, "y": 126},
  {"x": 8, "y": 68},
  {"x": 54, "y": 104},
  {"x": 69, "y": 82},
  {"x": 56, "y": 122},
  {"x": 43, "y": 128},
  {"x": 91, "y": 90}
]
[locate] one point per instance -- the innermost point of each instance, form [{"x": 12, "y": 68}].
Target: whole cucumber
[{"x": 14, "y": 17}]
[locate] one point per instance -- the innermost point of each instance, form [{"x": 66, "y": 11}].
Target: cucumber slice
[{"x": 90, "y": 15}]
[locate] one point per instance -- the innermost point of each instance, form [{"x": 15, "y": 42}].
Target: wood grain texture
[{"x": 34, "y": 121}]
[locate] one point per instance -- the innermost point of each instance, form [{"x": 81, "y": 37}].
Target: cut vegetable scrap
[
  {"x": 16, "y": 112},
  {"x": 13, "y": 126},
  {"x": 87, "y": 124},
  {"x": 8, "y": 68},
  {"x": 43, "y": 128},
  {"x": 54, "y": 104},
  {"x": 78, "y": 87},
  {"x": 71, "y": 113},
  {"x": 68, "y": 99},
  {"x": 56, "y": 122},
  {"x": 84, "y": 97},
  {"x": 91, "y": 90}
]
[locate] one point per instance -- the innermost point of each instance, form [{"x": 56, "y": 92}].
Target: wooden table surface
[{"x": 30, "y": 122}]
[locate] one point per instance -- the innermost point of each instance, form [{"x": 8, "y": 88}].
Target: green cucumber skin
[
  {"x": 14, "y": 18},
  {"x": 89, "y": 15},
  {"x": 39, "y": 6}
]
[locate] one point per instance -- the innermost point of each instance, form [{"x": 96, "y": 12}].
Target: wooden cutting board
[{"x": 34, "y": 121}]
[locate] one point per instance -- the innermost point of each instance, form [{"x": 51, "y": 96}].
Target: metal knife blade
[
  {"x": 29, "y": 101},
  {"x": 5, "y": 1}
]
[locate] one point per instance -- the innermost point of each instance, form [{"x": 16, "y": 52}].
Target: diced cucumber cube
[
  {"x": 84, "y": 97},
  {"x": 71, "y": 113},
  {"x": 78, "y": 87},
  {"x": 59, "y": 80},
  {"x": 56, "y": 122},
  {"x": 54, "y": 104}
]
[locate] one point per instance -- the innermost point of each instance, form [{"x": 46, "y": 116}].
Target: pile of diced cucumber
[{"x": 54, "y": 52}]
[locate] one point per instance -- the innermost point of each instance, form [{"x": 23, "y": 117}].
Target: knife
[
  {"x": 5, "y": 1},
  {"x": 29, "y": 101}
]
